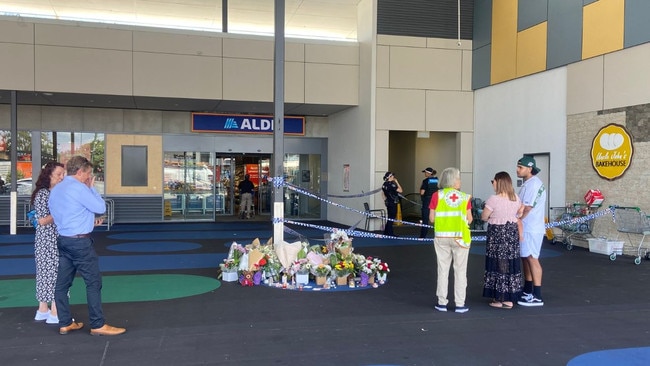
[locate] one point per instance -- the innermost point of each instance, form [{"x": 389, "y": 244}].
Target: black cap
[
  {"x": 428, "y": 170},
  {"x": 388, "y": 175}
]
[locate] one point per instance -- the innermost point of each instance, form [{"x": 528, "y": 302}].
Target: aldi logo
[
  {"x": 231, "y": 124},
  {"x": 255, "y": 124}
]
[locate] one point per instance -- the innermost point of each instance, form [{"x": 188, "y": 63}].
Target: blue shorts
[{"x": 532, "y": 245}]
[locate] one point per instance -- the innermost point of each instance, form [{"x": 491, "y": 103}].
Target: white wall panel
[
  {"x": 245, "y": 79},
  {"x": 527, "y": 115},
  {"x": 184, "y": 76},
  {"x": 183, "y": 44},
  {"x": 400, "y": 109},
  {"x": 626, "y": 77},
  {"x": 248, "y": 48},
  {"x": 294, "y": 82},
  {"x": 585, "y": 86},
  {"x": 16, "y": 32},
  {"x": 17, "y": 66},
  {"x": 423, "y": 68},
  {"x": 332, "y": 84},
  {"x": 83, "y": 70},
  {"x": 90, "y": 37},
  {"x": 449, "y": 111},
  {"x": 332, "y": 54}
]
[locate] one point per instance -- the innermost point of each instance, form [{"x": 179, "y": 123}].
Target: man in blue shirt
[{"x": 73, "y": 204}]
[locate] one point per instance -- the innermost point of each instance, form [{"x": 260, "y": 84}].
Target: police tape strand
[{"x": 279, "y": 182}]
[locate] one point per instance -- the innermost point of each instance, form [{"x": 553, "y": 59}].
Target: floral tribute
[{"x": 295, "y": 265}]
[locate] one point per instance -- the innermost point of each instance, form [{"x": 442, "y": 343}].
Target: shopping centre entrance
[{"x": 202, "y": 186}]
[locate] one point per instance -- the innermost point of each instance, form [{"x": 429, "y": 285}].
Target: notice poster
[{"x": 253, "y": 171}]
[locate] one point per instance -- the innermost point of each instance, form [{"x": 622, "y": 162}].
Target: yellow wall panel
[
  {"x": 113, "y": 176},
  {"x": 603, "y": 27},
  {"x": 531, "y": 50},
  {"x": 504, "y": 41}
]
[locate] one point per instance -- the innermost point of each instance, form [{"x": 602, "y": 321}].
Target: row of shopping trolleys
[{"x": 577, "y": 222}]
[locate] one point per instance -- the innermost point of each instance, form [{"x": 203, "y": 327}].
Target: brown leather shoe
[
  {"x": 71, "y": 327},
  {"x": 107, "y": 330}
]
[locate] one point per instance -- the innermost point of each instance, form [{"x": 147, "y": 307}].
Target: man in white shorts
[{"x": 533, "y": 197}]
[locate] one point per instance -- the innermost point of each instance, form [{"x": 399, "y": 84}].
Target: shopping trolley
[
  {"x": 573, "y": 222},
  {"x": 631, "y": 220}
]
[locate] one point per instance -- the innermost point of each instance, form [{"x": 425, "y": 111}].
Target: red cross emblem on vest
[{"x": 454, "y": 197}]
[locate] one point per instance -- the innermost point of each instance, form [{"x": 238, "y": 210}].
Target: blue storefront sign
[{"x": 240, "y": 123}]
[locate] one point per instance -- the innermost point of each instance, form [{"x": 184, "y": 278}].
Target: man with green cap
[{"x": 533, "y": 197}]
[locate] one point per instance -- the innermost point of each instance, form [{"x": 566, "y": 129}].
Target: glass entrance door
[
  {"x": 188, "y": 178},
  {"x": 230, "y": 170}
]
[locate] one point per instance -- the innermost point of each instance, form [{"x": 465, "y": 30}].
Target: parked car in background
[{"x": 23, "y": 187}]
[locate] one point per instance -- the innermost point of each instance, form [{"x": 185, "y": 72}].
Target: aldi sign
[{"x": 244, "y": 123}]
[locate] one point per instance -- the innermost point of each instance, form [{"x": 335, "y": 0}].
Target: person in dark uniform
[
  {"x": 429, "y": 185},
  {"x": 390, "y": 190},
  {"x": 246, "y": 190}
]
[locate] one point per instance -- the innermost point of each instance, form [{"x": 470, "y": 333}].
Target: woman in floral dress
[
  {"x": 45, "y": 249},
  {"x": 502, "y": 253}
]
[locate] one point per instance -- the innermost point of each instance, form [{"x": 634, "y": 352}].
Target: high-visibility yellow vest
[{"x": 451, "y": 216}]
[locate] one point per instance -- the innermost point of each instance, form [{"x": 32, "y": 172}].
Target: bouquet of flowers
[
  {"x": 340, "y": 242},
  {"x": 321, "y": 270},
  {"x": 229, "y": 265},
  {"x": 367, "y": 265},
  {"x": 382, "y": 267},
  {"x": 301, "y": 266},
  {"x": 269, "y": 263},
  {"x": 232, "y": 263},
  {"x": 344, "y": 268}
]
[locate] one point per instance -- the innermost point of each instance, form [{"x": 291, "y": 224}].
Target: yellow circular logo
[{"x": 611, "y": 151}]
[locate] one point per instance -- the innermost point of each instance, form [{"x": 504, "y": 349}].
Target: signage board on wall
[
  {"x": 611, "y": 151},
  {"x": 244, "y": 123}
]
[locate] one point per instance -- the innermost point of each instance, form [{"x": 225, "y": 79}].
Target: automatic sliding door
[{"x": 224, "y": 167}]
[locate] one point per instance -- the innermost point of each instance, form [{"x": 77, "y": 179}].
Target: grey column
[{"x": 278, "y": 121}]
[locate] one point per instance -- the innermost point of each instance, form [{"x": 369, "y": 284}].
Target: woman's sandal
[{"x": 500, "y": 305}]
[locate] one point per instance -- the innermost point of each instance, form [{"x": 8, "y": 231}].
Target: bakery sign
[{"x": 611, "y": 151}]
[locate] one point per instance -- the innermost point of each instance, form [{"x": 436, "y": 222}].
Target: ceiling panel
[{"x": 331, "y": 19}]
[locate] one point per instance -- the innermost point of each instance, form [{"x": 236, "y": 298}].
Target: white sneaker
[
  {"x": 41, "y": 316},
  {"x": 526, "y": 296},
  {"x": 52, "y": 319},
  {"x": 532, "y": 301}
]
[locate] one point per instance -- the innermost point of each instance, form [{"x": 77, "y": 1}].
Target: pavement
[{"x": 160, "y": 282}]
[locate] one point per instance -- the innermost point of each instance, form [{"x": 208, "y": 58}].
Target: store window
[
  {"x": 302, "y": 170},
  {"x": 54, "y": 146},
  {"x": 23, "y": 165}
]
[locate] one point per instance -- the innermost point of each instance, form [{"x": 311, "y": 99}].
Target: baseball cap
[
  {"x": 428, "y": 170},
  {"x": 528, "y": 161},
  {"x": 387, "y": 175}
]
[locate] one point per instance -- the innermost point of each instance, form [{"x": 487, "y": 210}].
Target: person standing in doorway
[
  {"x": 74, "y": 203},
  {"x": 533, "y": 197},
  {"x": 46, "y": 253},
  {"x": 390, "y": 190},
  {"x": 428, "y": 186},
  {"x": 246, "y": 190},
  {"x": 451, "y": 212}
]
